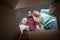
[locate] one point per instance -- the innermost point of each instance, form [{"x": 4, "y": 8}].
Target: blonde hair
[
  {"x": 37, "y": 19},
  {"x": 22, "y": 19}
]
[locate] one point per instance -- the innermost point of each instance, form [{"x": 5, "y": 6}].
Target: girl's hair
[
  {"x": 21, "y": 20},
  {"x": 36, "y": 18}
]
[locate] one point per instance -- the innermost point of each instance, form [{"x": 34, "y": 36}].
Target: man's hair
[{"x": 53, "y": 2}]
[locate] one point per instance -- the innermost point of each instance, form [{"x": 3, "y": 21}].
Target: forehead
[{"x": 24, "y": 19}]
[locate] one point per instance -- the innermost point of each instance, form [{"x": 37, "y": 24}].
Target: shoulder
[
  {"x": 20, "y": 25},
  {"x": 26, "y": 26}
]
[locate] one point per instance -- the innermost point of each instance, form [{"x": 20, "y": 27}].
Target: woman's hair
[{"x": 28, "y": 10}]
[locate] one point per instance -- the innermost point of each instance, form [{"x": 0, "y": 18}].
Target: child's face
[{"x": 24, "y": 21}]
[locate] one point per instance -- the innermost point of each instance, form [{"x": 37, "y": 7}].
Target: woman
[{"x": 36, "y": 17}]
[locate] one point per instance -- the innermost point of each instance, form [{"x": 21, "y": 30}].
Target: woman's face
[
  {"x": 36, "y": 13},
  {"x": 29, "y": 13}
]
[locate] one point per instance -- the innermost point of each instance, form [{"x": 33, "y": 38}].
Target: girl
[{"x": 23, "y": 25}]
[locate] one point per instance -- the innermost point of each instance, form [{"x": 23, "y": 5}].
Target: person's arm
[
  {"x": 42, "y": 27},
  {"x": 37, "y": 28},
  {"x": 27, "y": 28}
]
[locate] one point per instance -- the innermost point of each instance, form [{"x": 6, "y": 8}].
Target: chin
[{"x": 36, "y": 15}]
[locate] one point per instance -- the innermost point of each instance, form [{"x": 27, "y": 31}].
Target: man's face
[{"x": 29, "y": 13}]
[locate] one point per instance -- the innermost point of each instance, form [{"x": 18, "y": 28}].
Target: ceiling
[
  {"x": 22, "y": 3},
  {"x": 27, "y": 3}
]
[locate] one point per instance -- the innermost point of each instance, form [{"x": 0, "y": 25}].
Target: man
[{"x": 47, "y": 19}]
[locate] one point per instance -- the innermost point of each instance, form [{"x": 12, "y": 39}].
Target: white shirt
[{"x": 24, "y": 27}]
